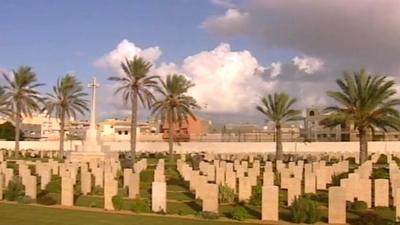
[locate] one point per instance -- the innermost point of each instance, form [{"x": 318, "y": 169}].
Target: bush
[
  {"x": 380, "y": 173},
  {"x": 320, "y": 196},
  {"x": 369, "y": 218},
  {"x": 359, "y": 206},
  {"x": 208, "y": 215},
  {"x": 382, "y": 159},
  {"x": 118, "y": 202},
  {"x": 226, "y": 194},
  {"x": 336, "y": 179},
  {"x": 239, "y": 213},
  {"x": 304, "y": 210},
  {"x": 46, "y": 199},
  {"x": 256, "y": 195},
  {"x": 54, "y": 186},
  {"x": 24, "y": 200},
  {"x": 15, "y": 188},
  {"x": 140, "y": 205},
  {"x": 97, "y": 190}
]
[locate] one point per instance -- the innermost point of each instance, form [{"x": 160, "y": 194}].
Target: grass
[{"x": 17, "y": 214}]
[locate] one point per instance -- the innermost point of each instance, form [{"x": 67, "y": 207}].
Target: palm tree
[
  {"x": 24, "y": 98},
  {"x": 277, "y": 108},
  {"x": 67, "y": 99},
  {"x": 133, "y": 85},
  {"x": 175, "y": 106},
  {"x": 365, "y": 102},
  {"x": 4, "y": 104}
]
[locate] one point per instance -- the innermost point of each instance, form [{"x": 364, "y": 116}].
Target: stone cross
[{"x": 93, "y": 86}]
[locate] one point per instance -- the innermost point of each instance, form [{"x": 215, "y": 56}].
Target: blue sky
[{"x": 55, "y": 37}]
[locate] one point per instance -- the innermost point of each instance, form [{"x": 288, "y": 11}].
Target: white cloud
[
  {"x": 126, "y": 49},
  {"x": 308, "y": 65},
  {"x": 232, "y": 23},
  {"x": 274, "y": 69},
  {"x": 226, "y": 81}
]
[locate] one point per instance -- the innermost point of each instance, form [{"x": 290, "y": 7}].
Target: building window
[
  {"x": 126, "y": 132},
  {"x": 312, "y": 113},
  {"x": 120, "y": 132}
]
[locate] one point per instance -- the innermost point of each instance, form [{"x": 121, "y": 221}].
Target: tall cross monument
[{"x": 92, "y": 140}]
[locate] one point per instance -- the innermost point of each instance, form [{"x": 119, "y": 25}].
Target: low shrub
[
  {"x": 118, "y": 202},
  {"x": 239, "y": 213},
  {"x": 336, "y": 179},
  {"x": 256, "y": 195},
  {"x": 369, "y": 218},
  {"x": 146, "y": 176},
  {"x": 359, "y": 206},
  {"x": 46, "y": 199},
  {"x": 54, "y": 186},
  {"x": 304, "y": 210},
  {"x": 15, "y": 188},
  {"x": 97, "y": 190},
  {"x": 380, "y": 173},
  {"x": 226, "y": 194},
  {"x": 208, "y": 215},
  {"x": 382, "y": 159},
  {"x": 140, "y": 205},
  {"x": 24, "y": 200}
]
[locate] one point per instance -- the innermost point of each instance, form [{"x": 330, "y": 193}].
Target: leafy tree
[
  {"x": 365, "y": 102},
  {"x": 277, "y": 108},
  {"x": 136, "y": 83},
  {"x": 174, "y": 106},
  {"x": 7, "y": 132},
  {"x": 67, "y": 99},
  {"x": 24, "y": 98}
]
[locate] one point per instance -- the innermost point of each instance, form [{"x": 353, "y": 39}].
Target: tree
[
  {"x": 24, "y": 98},
  {"x": 7, "y": 132},
  {"x": 277, "y": 108},
  {"x": 174, "y": 106},
  {"x": 136, "y": 83},
  {"x": 365, "y": 102},
  {"x": 67, "y": 99}
]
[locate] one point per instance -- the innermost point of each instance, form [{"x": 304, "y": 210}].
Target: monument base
[{"x": 92, "y": 156}]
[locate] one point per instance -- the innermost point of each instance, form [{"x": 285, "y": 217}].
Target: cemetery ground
[{"x": 181, "y": 203}]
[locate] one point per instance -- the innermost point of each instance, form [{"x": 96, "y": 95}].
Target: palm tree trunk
[
  {"x": 133, "y": 128},
  {"x": 279, "y": 152},
  {"x": 363, "y": 145},
  {"x": 17, "y": 132},
  {"x": 170, "y": 139},
  {"x": 62, "y": 132}
]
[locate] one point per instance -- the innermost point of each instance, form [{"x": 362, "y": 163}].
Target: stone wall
[{"x": 221, "y": 147}]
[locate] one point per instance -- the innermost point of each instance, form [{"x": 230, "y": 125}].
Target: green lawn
[{"x": 17, "y": 214}]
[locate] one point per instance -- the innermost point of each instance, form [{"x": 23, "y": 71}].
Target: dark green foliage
[
  {"x": 239, "y": 213},
  {"x": 369, "y": 218},
  {"x": 320, "y": 196},
  {"x": 382, "y": 159},
  {"x": 208, "y": 215},
  {"x": 15, "y": 188},
  {"x": 24, "y": 200},
  {"x": 146, "y": 176},
  {"x": 336, "y": 178},
  {"x": 380, "y": 173},
  {"x": 256, "y": 195},
  {"x": 97, "y": 190},
  {"x": 226, "y": 194},
  {"x": 304, "y": 210},
  {"x": 359, "y": 206},
  {"x": 46, "y": 199},
  {"x": 54, "y": 186},
  {"x": 140, "y": 205},
  {"x": 7, "y": 132},
  {"x": 118, "y": 202},
  {"x": 352, "y": 161}
]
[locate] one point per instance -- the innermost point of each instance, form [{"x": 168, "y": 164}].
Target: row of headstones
[
  {"x": 29, "y": 153},
  {"x": 316, "y": 176}
]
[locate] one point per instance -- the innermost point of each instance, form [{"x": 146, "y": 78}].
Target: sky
[{"x": 235, "y": 51}]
